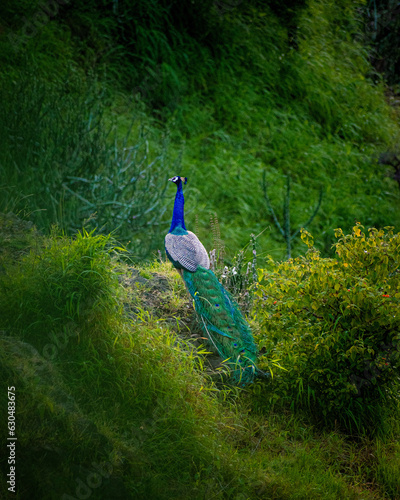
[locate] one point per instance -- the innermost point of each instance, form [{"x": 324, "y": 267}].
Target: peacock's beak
[{"x": 171, "y": 179}]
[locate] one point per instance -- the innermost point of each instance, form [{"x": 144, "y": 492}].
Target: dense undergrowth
[
  {"x": 334, "y": 325},
  {"x": 114, "y": 399},
  {"x": 101, "y": 102},
  {"x": 120, "y": 97}
]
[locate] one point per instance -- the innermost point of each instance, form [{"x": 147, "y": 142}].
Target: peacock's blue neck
[{"x": 178, "y": 216}]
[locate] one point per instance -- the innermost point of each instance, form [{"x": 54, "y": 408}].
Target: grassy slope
[
  {"x": 116, "y": 398},
  {"x": 97, "y": 384}
]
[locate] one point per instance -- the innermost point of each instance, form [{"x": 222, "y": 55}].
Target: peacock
[{"x": 221, "y": 320}]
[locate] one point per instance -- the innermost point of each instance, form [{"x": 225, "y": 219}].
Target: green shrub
[{"x": 334, "y": 326}]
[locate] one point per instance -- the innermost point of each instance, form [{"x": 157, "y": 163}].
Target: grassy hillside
[
  {"x": 116, "y": 396},
  {"x": 120, "y": 97},
  {"x": 268, "y": 108}
]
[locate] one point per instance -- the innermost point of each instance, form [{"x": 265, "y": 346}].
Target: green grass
[
  {"x": 234, "y": 97},
  {"x": 97, "y": 110},
  {"x": 124, "y": 387},
  {"x": 63, "y": 162}
]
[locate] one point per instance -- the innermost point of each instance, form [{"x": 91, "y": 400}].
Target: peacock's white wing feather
[{"x": 187, "y": 250}]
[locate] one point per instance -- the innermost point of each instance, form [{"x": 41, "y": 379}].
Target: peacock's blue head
[{"x": 178, "y": 179}]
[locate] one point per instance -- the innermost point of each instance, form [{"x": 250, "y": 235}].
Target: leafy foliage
[
  {"x": 334, "y": 325},
  {"x": 244, "y": 88}
]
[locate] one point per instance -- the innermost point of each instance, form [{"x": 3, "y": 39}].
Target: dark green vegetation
[
  {"x": 114, "y": 399},
  {"x": 122, "y": 95},
  {"x": 101, "y": 102},
  {"x": 381, "y": 27}
]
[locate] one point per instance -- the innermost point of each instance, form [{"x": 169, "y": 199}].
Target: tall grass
[
  {"x": 101, "y": 378},
  {"x": 311, "y": 112},
  {"x": 258, "y": 90},
  {"x": 65, "y": 162},
  {"x": 125, "y": 392}
]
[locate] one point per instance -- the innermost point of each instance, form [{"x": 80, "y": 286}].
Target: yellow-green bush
[{"x": 334, "y": 324}]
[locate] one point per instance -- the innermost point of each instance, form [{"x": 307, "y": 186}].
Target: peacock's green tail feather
[{"x": 223, "y": 323}]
